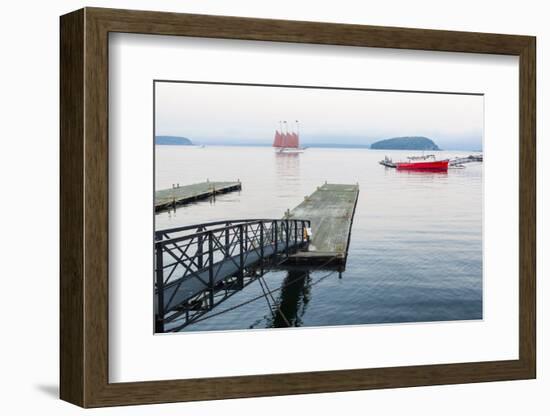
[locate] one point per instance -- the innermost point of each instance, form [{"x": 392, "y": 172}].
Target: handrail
[
  {"x": 232, "y": 224},
  {"x": 206, "y": 246},
  {"x": 205, "y": 224}
]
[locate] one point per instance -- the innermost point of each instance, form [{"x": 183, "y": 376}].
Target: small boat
[
  {"x": 427, "y": 163},
  {"x": 387, "y": 162}
]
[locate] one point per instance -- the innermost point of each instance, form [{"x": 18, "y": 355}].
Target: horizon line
[{"x": 316, "y": 145}]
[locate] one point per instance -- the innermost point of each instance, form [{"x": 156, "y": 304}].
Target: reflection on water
[
  {"x": 287, "y": 165},
  {"x": 292, "y": 302},
  {"x": 428, "y": 175},
  {"x": 416, "y": 245}
]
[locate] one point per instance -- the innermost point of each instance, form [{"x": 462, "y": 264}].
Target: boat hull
[
  {"x": 431, "y": 166},
  {"x": 289, "y": 150}
]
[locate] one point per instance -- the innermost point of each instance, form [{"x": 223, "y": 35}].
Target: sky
[{"x": 244, "y": 114}]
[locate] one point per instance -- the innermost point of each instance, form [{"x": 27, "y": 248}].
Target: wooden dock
[
  {"x": 330, "y": 209},
  {"x": 179, "y": 195}
]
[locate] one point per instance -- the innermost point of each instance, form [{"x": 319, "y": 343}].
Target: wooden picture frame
[{"x": 84, "y": 207}]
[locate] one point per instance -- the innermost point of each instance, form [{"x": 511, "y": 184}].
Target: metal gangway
[{"x": 197, "y": 267}]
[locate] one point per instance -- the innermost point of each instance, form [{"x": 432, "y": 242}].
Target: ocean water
[{"x": 416, "y": 244}]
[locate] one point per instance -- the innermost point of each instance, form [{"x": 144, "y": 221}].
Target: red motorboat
[{"x": 424, "y": 163}]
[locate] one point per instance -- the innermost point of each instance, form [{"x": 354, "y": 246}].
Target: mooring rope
[
  {"x": 179, "y": 318},
  {"x": 278, "y": 306},
  {"x": 266, "y": 298}
]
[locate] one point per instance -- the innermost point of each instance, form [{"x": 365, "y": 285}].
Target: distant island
[
  {"x": 406, "y": 143},
  {"x": 173, "y": 141}
]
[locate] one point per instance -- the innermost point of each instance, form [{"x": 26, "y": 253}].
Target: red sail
[
  {"x": 295, "y": 143},
  {"x": 290, "y": 140},
  {"x": 284, "y": 142},
  {"x": 278, "y": 141}
]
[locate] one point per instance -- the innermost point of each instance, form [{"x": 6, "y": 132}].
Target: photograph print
[{"x": 285, "y": 206}]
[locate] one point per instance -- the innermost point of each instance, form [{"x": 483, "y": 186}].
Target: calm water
[{"x": 416, "y": 244}]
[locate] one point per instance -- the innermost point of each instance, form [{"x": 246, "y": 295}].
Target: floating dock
[
  {"x": 180, "y": 195},
  {"x": 457, "y": 161},
  {"x": 330, "y": 209}
]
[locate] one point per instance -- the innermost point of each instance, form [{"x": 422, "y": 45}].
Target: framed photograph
[{"x": 255, "y": 207}]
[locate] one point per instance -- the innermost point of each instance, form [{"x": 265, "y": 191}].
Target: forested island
[
  {"x": 173, "y": 140},
  {"x": 406, "y": 143}
]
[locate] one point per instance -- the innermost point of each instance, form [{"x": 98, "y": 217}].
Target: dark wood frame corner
[{"x": 84, "y": 207}]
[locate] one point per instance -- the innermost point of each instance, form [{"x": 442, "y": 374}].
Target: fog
[{"x": 244, "y": 114}]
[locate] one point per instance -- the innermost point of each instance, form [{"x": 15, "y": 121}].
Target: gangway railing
[{"x": 199, "y": 266}]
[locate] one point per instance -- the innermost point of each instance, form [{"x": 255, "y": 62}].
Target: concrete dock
[
  {"x": 330, "y": 209},
  {"x": 179, "y": 195}
]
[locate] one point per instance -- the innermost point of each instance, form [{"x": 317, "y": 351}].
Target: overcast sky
[{"x": 250, "y": 114}]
